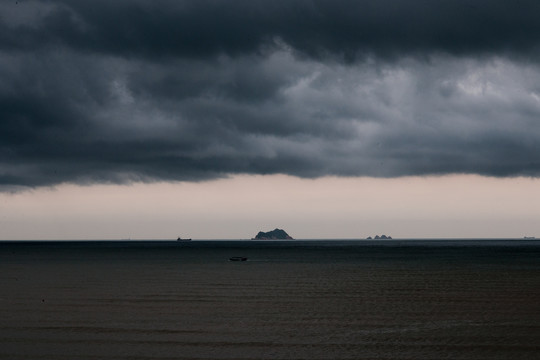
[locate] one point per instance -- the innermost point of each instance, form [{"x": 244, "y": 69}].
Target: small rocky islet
[
  {"x": 276, "y": 234},
  {"x": 377, "y": 237}
]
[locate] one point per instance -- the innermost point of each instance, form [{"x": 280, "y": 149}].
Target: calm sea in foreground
[{"x": 409, "y": 299}]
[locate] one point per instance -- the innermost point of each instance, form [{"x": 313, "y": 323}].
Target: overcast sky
[{"x": 156, "y": 92}]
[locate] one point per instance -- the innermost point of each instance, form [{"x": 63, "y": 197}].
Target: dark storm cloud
[
  {"x": 318, "y": 28},
  {"x": 119, "y": 91}
]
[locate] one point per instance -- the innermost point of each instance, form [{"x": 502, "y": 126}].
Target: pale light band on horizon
[{"x": 238, "y": 207}]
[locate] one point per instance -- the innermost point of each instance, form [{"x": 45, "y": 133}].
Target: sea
[{"x": 295, "y": 299}]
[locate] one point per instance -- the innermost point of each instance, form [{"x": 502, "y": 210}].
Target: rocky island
[
  {"x": 377, "y": 237},
  {"x": 276, "y": 234}
]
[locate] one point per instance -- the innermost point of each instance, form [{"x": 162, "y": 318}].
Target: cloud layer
[{"x": 169, "y": 90}]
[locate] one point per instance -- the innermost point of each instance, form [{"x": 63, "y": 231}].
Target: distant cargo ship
[
  {"x": 180, "y": 239},
  {"x": 529, "y": 237}
]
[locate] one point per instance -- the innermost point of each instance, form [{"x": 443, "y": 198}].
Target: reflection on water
[{"x": 325, "y": 301}]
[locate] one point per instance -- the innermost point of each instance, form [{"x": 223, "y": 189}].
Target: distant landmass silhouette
[
  {"x": 276, "y": 234},
  {"x": 377, "y": 237}
]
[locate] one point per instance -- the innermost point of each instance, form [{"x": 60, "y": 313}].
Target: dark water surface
[{"x": 290, "y": 300}]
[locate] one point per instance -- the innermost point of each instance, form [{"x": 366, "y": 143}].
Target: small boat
[
  {"x": 238, "y": 258},
  {"x": 180, "y": 239}
]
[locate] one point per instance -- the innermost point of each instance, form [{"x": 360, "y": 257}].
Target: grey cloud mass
[{"x": 120, "y": 91}]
